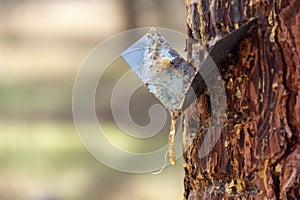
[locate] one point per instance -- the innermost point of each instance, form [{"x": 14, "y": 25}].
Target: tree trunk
[
  {"x": 130, "y": 13},
  {"x": 258, "y": 153}
]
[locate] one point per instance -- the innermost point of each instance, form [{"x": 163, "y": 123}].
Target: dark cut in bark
[{"x": 258, "y": 153}]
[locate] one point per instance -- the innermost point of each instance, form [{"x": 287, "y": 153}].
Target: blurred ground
[{"x": 42, "y": 44}]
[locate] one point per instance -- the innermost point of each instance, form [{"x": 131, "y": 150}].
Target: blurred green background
[{"x": 42, "y": 44}]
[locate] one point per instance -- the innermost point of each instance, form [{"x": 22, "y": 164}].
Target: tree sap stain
[{"x": 171, "y": 150}]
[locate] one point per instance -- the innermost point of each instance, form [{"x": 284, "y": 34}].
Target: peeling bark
[{"x": 258, "y": 153}]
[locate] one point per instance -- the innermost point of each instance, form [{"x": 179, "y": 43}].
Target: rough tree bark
[{"x": 258, "y": 153}]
